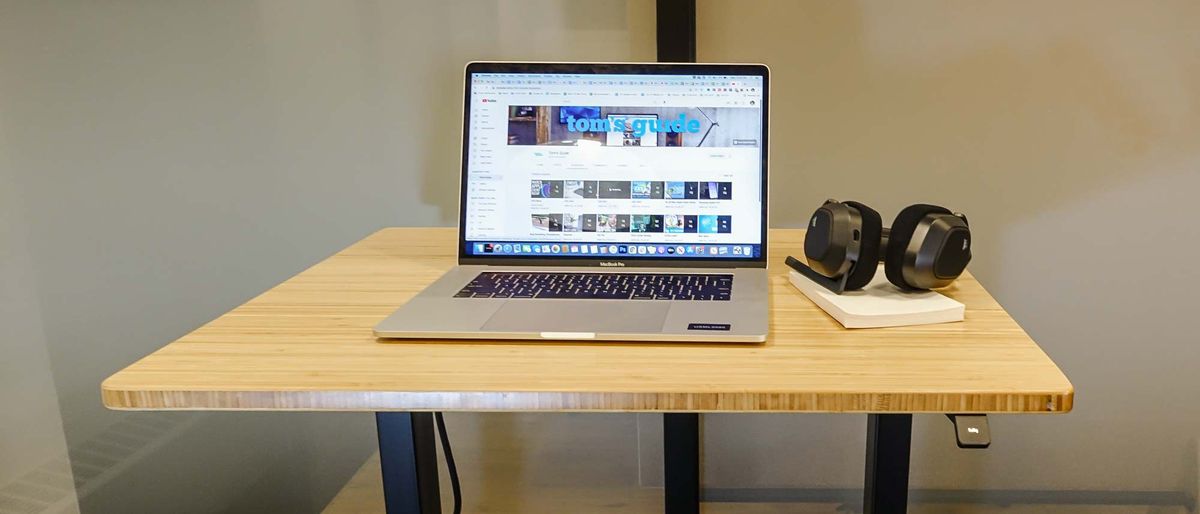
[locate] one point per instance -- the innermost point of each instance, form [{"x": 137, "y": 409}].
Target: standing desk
[{"x": 307, "y": 345}]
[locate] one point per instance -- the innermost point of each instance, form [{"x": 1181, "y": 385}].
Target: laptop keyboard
[{"x": 600, "y": 286}]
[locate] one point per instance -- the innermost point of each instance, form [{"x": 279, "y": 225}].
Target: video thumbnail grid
[
  {"x": 649, "y": 223},
  {"x": 631, "y": 189},
  {"x": 572, "y": 249}
]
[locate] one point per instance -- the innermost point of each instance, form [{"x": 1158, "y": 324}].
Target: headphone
[{"x": 926, "y": 247}]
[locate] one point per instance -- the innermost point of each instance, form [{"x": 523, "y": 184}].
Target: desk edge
[{"x": 542, "y": 401}]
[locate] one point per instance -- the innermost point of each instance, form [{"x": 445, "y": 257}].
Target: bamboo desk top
[{"x": 307, "y": 344}]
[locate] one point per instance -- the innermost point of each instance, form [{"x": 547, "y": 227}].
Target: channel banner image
[{"x": 573, "y": 125}]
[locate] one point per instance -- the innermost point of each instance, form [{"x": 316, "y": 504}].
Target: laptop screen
[{"x": 652, "y": 165}]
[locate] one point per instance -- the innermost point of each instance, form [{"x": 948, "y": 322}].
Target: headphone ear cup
[
  {"x": 827, "y": 242},
  {"x": 868, "y": 252},
  {"x": 902, "y": 231}
]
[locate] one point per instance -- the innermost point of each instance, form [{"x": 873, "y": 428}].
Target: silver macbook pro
[{"x": 606, "y": 202}]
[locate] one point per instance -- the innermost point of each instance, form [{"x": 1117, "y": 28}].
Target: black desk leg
[
  {"x": 408, "y": 458},
  {"x": 889, "y": 437},
  {"x": 681, "y": 463}
]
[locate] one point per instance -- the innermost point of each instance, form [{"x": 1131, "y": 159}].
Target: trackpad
[{"x": 600, "y": 316}]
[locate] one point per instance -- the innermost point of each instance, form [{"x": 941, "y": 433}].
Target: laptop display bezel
[{"x": 466, "y": 258}]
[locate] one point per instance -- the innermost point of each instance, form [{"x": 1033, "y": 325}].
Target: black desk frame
[{"x": 408, "y": 458}]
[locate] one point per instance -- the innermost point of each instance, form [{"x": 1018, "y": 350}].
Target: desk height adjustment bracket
[{"x": 971, "y": 430}]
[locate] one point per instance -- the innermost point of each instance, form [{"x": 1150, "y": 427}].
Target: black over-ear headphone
[{"x": 926, "y": 247}]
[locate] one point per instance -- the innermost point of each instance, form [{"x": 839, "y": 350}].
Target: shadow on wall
[{"x": 1069, "y": 133}]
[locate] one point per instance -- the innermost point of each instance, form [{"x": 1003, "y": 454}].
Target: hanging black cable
[{"x": 454, "y": 485}]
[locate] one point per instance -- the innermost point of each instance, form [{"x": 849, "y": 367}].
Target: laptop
[{"x": 616, "y": 202}]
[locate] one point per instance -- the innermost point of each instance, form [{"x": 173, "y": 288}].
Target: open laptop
[{"x": 606, "y": 202}]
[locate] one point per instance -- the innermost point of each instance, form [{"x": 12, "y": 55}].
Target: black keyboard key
[{"x": 614, "y": 286}]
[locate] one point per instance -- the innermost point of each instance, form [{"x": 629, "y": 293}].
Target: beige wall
[
  {"x": 1069, "y": 132},
  {"x": 172, "y": 160}
]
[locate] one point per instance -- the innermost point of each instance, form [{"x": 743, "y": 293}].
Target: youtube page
[{"x": 637, "y": 165}]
